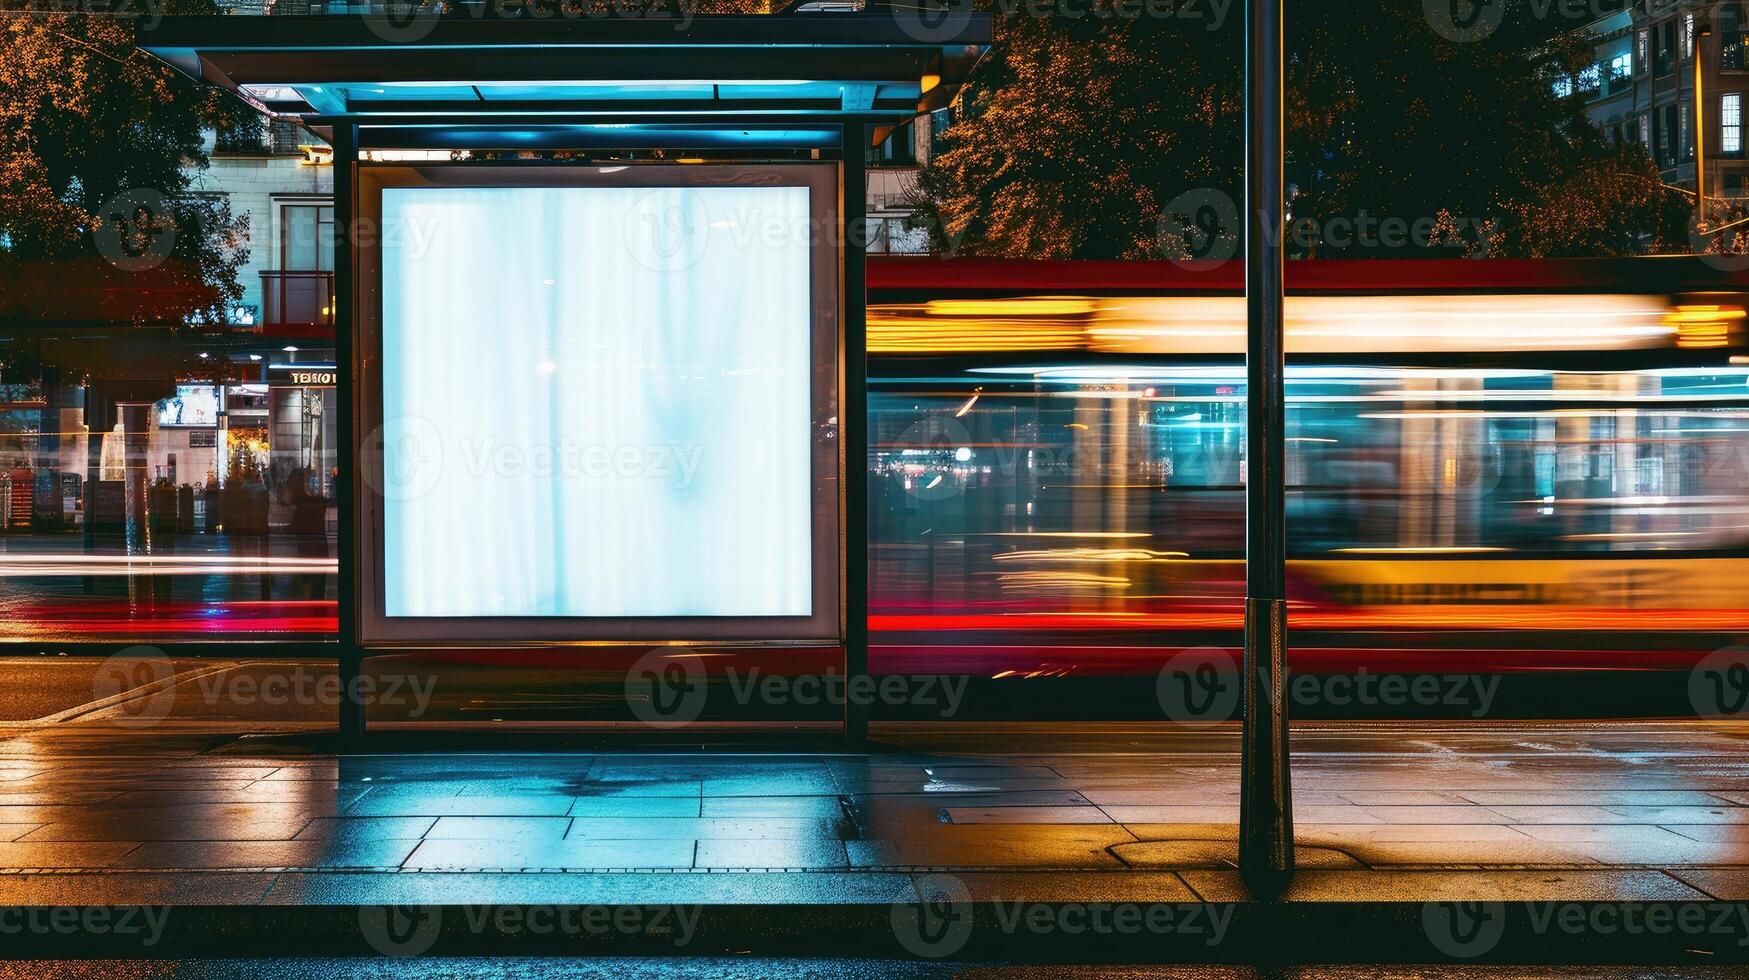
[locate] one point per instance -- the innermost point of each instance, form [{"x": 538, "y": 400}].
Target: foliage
[
  {"x": 1386, "y": 115},
  {"x": 1075, "y": 134},
  {"x": 85, "y": 117}
]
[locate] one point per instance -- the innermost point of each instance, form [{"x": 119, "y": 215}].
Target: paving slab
[
  {"x": 500, "y": 828},
  {"x": 1442, "y": 886},
  {"x": 1028, "y": 814},
  {"x": 237, "y": 855},
  {"x": 1187, "y": 854},
  {"x": 367, "y": 828},
  {"x": 1469, "y": 854},
  {"x": 1722, "y": 833},
  {"x": 792, "y": 807},
  {"x": 216, "y": 828},
  {"x": 1570, "y": 797},
  {"x": 658, "y": 806},
  {"x": 1433, "y": 833},
  {"x": 1724, "y": 884},
  {"x": 694, "y": 828},
  {"x": 558, "y": 855},
  {"x": 79, "y": 854},
  {"x": 811, "y": 854},
  {"x": 990, "y": 853}
]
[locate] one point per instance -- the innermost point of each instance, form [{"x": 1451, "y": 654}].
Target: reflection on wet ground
[{"x": 1649, "y": 810}]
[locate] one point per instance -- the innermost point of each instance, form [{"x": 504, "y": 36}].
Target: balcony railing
[{"x": 297, "y": 301}]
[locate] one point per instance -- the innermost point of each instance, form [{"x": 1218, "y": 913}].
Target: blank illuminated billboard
[{"x": 596, "y": 401}]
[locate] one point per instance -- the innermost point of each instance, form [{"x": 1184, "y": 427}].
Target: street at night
[{"x": 874, "y": 488}]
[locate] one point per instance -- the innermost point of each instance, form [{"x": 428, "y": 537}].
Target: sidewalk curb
[{"x": 1356, "y": 933}]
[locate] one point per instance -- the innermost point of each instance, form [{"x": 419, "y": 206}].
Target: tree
[
  {"x": 98, "y": 146},
  {"x": 1387, "y": 115},
  {"x": 1077, "y": 135}
]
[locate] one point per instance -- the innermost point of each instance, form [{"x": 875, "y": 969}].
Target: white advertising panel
[{"x": 596, "y": 402}]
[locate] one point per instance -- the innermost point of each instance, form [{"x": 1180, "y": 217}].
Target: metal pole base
[
  {"x": 855, "y": 725},
  {"x": 352, "y": 706},
  {"x": 1266, "y": 844}
]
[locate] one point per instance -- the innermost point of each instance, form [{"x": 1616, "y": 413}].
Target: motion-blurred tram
[{"x": 1492, "y": 466}]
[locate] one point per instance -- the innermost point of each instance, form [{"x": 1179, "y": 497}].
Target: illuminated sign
[
  {"x": 303, "y": 375},
  {"x": 192, "y": 405},
  {"x": 597, "y": 401}
]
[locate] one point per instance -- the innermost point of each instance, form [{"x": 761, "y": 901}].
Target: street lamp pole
[
  {"x": 1702, "y": 30},
  {"x": 1266, "y": 843}
]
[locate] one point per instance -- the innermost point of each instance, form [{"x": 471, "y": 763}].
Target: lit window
[
  {"x": 1563, "y": 87},
  {"x": 1621, "y": 66},
  {"x": 1590, "y": 78},
  {"x": 1731, "y": 123}
]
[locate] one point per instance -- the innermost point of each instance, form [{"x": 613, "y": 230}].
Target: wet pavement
[
  {"x": 984, "y": 844},
  {"x": 1640, "y": 811}
]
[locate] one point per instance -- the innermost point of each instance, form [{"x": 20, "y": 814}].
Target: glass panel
[
  {"x": 308, "y": 237},
  {"x": 578, "y": 428},
  {"x": 170, "y": 493},
  {"x": 1118, "y": 489}
]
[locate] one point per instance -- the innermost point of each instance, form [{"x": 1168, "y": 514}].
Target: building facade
[
  {"x": 892, "y": 175},
  {"x": 283, "y": 185},
  {"x": 1642, "y": 88}
]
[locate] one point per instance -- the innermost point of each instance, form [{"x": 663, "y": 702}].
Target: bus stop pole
[
  {"x": 853, "y": 427},
  {"x": 346, "y": 484},
  {"x": 1266, "y": 845}
]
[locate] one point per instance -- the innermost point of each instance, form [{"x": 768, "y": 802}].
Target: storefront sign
[{"x": 303, "y": 375}]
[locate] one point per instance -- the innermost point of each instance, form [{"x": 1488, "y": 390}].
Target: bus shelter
[{"x": 599, "y": 313}]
